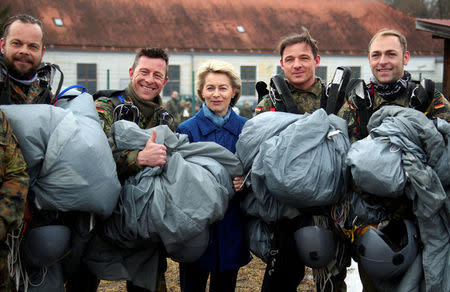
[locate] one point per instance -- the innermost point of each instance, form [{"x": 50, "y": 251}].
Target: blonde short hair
[
  {"x": 392, "y": 32},
  {"x": 216, "y": 66}
]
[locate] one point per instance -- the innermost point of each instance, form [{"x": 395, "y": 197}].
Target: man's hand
[
  {"x": 153, "y": 154},
  {"x": 238, "y": 183}
]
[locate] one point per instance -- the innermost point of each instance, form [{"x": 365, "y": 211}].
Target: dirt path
[{"x": 249, "y": 279}]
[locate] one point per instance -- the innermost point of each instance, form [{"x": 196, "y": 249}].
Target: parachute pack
[
  {"x": 128, "y": 111},
  {"x": 421, "y": 95},
  {"x": 331, "y": 99}
]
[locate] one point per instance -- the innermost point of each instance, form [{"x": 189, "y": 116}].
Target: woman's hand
[{"x": 238, "y": 183}]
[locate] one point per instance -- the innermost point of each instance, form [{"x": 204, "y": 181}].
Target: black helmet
[
  {"x": 387, "y": 252},
  {"x": 316, "y": 245},
  {"x": 45, "y": 245},
  {"x": 191, "y": 250}
]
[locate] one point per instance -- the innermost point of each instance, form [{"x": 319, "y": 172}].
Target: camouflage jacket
[
  {"x": 439, "y": 108},
  {"x": 246, "y": 113},
  {"x": 173, "y": 107},
  {"x": 13, "y": 193},
  {"x": 307, "y": 101},
  {"x": 18, "y": 95},
  {"x": 14, "y": 179},
  {"x": 125, "y": 160}
]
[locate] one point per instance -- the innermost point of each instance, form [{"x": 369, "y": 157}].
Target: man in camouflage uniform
[
  {"x": 299, "y": 58},
  {"x": 148, "y": 76},
  {"x": 246, "y": 111},
  {"x": 173, "y": 106},
  {"x": 388, "y": 55},
  {"x": 23, "y": 80},
  {"x": 13, "y": 190},
  {"x": 388, "y": 86},
  {"x": 21, "y": 55},
  {"x": 22, "y": 48}
]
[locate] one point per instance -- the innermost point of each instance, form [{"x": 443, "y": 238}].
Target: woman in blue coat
[{"x": 219, "y": 87}]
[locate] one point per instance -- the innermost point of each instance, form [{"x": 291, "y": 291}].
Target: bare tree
[
  {"x": 440, "y": 9},
  {"x": 4, "y": 14},
  {"x": 423, "y": 8}
]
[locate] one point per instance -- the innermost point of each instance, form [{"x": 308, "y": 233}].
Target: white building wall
[{"x": 118, "y": 64}]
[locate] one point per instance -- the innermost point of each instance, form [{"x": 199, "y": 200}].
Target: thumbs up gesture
[{"x": 153, "y": 154}]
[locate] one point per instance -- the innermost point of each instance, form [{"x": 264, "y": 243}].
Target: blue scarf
[{"x": 218, "y": 121}]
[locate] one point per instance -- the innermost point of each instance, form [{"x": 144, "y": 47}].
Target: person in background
[
  {"x": 219, "y": 87},
  {"x": 187, "y": 111},
  {"x": 173, "y": 106},
  {"x": 246, "y": 111}
]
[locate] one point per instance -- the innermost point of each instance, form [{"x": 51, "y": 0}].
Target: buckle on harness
[
  {"x": 126, "y": 111},
  {"x": 165, "y": 118}
]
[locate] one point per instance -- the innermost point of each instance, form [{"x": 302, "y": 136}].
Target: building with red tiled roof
[
  {"x": 439, "y": 28},
  {"x": 94, "y": 40}
]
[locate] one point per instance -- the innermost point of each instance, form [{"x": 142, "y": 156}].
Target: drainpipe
[
  {"x": 192, "y": 84},
  {"x": 107, "y": 79}
]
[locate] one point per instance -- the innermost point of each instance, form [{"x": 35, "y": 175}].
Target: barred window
[
  {"x": 87, "y": 76},
  {"x": 248, "y": 78},
  {"x": 174, "y": 80},
  {"x": 280, "y": 71},
  {"x": 321, "y": 72},
  {"x": 356, "y": 72}
]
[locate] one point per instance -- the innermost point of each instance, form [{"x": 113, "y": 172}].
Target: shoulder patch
[
  {"x": 104, "y": 99},
  {"x": 438, "y": 104}
]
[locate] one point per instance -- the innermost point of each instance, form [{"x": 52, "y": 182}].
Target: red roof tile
[{"x": 340, "y": 26}]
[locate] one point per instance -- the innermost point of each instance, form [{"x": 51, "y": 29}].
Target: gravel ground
[{"x": 249, "y": 279}]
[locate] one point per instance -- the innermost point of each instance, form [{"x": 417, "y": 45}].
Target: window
[
  {"x": 321, "y": 72},
  {"x": 58, "y": 21},
  {"x": 356, "y": 72},
  {"x": 248, "y": 78},
  {"x": 240, "y": 28},
  {"x": 123, "y": 82},
  {"x": 174, "y": 80},
  {"x": 87, "y": 76},
  {"x": 280, "y": 71}
]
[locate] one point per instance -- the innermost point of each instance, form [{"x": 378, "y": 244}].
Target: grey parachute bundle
[
  {"x": 176, "y": 202},
  {"x": 296, "y": 161},
  {"x": 170, "y": 205},
  {"x": 259, "y": 238},
  {"x": 68, "y": 157},
  {"x": 442, "y": 167},
  {"x": 424, "y": 160},
  {"x": 376, "y": 166}
]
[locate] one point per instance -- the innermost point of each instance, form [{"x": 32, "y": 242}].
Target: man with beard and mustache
[
  {"x": 24, "y": 79},
  {"x": 22, "y": 49},
  {"x": 21, "y": 54}
]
